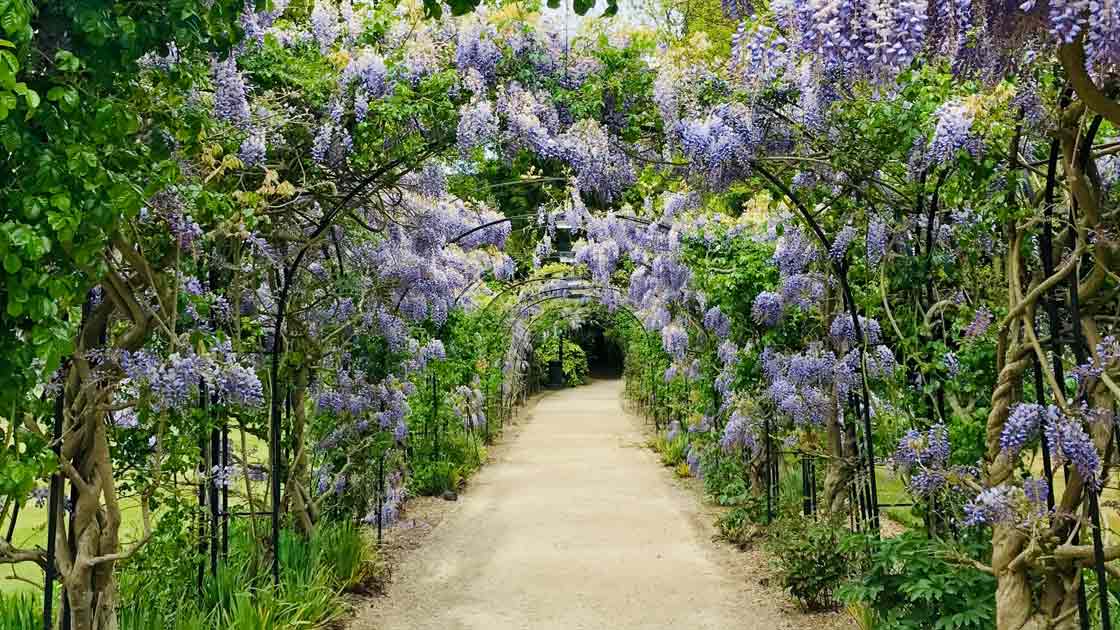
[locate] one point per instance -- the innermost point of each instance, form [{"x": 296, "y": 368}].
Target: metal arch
[{"x": 478, "y": 228}]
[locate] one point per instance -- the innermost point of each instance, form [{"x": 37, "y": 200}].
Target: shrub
[
  {"x": 809, "y": 559},
  {"x": 575, "y": 359},
  {"x": 350, "y": 560},
  {"x": 907, "y": 583},
  {"x": 434, "y": 478},
  {"x": 725, "y": 478},
  {"x": 672, "y": 451},
  {"x": 241, "y": 596},
  {"x": 740, "y": 525}
]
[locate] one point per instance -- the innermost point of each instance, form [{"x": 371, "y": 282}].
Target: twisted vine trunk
[
  {"x": 1017, "y": 561},
  {"x": 296, "y": 493},
  {"x": 841, "y": 468}
]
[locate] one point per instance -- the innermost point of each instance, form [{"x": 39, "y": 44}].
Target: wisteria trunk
[
  {"x": 296, "y": 492},
  {"x": 93, "y": 528},
  {"x": 840, "y": 465}
]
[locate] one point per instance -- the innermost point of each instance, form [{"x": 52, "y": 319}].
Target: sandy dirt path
[{"x": 575, "y": 526}]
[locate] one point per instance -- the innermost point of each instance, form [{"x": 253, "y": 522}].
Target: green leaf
[
  {"x": 433, "y": 9},
  {"x": 462, "y": 7},
  {"x": 9, "y": 66},
  {"x": 14, "y": 22},
  {"x": 67, "y": 61},
  {"x": 12, "y": 263},
  {"x": 61, "y": 201}
]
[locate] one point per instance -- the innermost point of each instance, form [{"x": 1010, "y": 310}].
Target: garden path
[{"x": 575, "y": 526}]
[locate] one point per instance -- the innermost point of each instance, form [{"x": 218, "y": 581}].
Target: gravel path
[{"x": 576, "y": 526}]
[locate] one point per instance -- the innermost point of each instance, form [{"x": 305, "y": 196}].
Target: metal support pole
[
  {"x": 873, "y": 500},
  {"x": 380, "y": 495},
  {"x": 225, "y": 492},
  {"x": 215, "y": 475},
  {"x": 769, "y": 471},
  {"x": 200, "y": 519},
  {"x": 54, "y": 503},
  {"x": 435, "y": 417},
  {"x": 806, "y": 502}
]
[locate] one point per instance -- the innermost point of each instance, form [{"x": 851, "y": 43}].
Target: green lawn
[
  {"x": 31, "y": 528},
  {"x": 31, "y": 532}
]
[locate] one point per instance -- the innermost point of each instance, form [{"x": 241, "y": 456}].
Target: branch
[
  {"x": 1085, "y": 552},
  {"x": 1073, "y": 60}
]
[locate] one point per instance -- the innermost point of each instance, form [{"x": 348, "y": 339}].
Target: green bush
[
  {"x": 907, "y": 583},
  {"x": 726, "y": 479},
  {"x": 241, "y": 596},
  {"x": 345, "y": 552},
  {"x": 434, "y": 478},
  {"x": 809, "y": 559},
  {"x": 741, "y": 525},
  {"x": 575, "y": 359},
  {"x": 672, "y": 451}
]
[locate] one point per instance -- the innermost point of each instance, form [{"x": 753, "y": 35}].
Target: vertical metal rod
[
  {"x": 215, "y": 475},
  {"x": 1098, "y": 559},
  {"x": 200, "y": 519},
  {"x": 813, "y": 478},
  {"x": 486, "y": 414},
  {"x": 769, "y": 471},
  {"x": 53, "y": 502},
  {"x": 1047, "y": 467},
  {"x": 806, "y": 504},
  {"x": 380, "y": 495},
  {"x": 563, "y": 380},
  {"x": 12, "y": 524},
  {"x": 435, "y": 416},
  {"x": 274, "y": 459},
  {"x": 873, "y": 500},
  {"x": 225, "y": 491},
  {"x": 71, "y": 540}
]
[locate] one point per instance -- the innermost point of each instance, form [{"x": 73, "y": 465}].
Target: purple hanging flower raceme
[
  {"x": 980, "y": 322},
  {"x": 842, "y": 330},
  {"x": 1024, "y": 422},
  {"x": 842, "y": 241},
  {"x": 767, "y": 309},
  {"x": 728, "y": 353},
  {"x": 951, "y": 363},
  {"x": 693, "y": 461},
  {"x": 675, "y": 341},
  {"x": 953, "y": 133},
  {"x": 877, "y": 238},
  {"x": 253, "y": 149},
  {"x": 324, "y": 24},
  {"x": 231, "y": 101},
  {"x": 717, "y": 323},
  {"x": 1069, "y": 442},
  {"x": 478, "y": 125}
]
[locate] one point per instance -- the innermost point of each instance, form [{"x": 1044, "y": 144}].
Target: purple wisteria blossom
[
  {"x": 980, "y": 323},
  {"x": 231, "y": 101},
  {"x": 717, "y": 323},
  {"x": 767, "y": 309}
]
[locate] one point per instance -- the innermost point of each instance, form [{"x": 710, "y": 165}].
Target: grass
[{"x": 31, "y": 528}]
